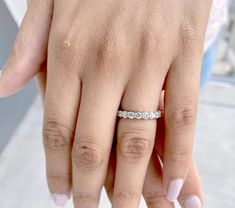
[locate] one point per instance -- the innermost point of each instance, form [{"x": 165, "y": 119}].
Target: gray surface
[
  {"x": 12, "y": 109},
  {"x": 215, "y": 145},
  {"x": 8, "y": 30}
]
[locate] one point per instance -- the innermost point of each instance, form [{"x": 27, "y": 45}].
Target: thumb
[{"x": 29, "y": 50}]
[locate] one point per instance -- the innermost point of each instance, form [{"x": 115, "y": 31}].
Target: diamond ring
[{"x": 139, "y": 115}]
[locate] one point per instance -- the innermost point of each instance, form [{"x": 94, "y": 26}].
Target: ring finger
[{"x": 135, "y": 139}]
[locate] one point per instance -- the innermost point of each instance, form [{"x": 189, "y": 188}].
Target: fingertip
[
  {"x": 4, "y": 87},
  {"x": 14, "y": 76},
  {"x": 60, "y": 199},
  {"x": 192, "y": 195},
  {"x": 174, "y": 189},
  {"x": 192, "y": 202}
]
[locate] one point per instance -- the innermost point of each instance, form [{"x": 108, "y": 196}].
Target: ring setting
[{"x": 139, "y": 115}]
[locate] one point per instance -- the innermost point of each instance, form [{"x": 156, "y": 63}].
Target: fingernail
[
  {"x": 174, "y": 189},
  {"x": 192, "y": 202},
  {"x": 0, "y": 74},
  {"x": 60, "y": 199}
]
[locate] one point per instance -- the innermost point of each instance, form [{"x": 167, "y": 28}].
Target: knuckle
[
  {"x": 156, "y": 198},
  {"x": 133, "y": 147},
  {"x": 191, "y": 35},
  {"x": 63, "y": 42},
  {"x": 149, "y": 43},
  {"x": 107, "y": 53},
  {"x": 56, "y": 136},
  {"x": 127, "y": 194},
  {"x": 67, "y": 44},
  {"x": 190, "y": 32},
  {"x": 145, "y": 48},
  {"x": 66, "y": 50},
  {"x": 179, "y": 157},
  {"x": 83, "y": 198},
  {"x": 55, "y": 178},
  {"x": 181, "y": 116},
  {"x": 87, "y": 154}
]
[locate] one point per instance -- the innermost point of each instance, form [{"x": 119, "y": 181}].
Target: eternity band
[{"x": 139, "y": 115}]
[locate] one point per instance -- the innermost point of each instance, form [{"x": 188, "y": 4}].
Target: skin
[{"x": 135, "y": 49}]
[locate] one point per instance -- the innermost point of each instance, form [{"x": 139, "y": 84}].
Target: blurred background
[{"x": 22, "y": 170}]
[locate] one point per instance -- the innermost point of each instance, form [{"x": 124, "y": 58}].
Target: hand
[
  {"x": 180, "y": 103},
  {"x": 191, "y": 194}
]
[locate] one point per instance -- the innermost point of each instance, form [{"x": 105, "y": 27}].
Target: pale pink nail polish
[
  {"x": 192, "y": 202},
  {"x": 174, "y": 189},
  {"x": 60, "y": 199}
]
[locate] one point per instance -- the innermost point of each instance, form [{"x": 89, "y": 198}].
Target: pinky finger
[
  {"x": 153, "y": 191},
  {"x": 191, "y": 195}
]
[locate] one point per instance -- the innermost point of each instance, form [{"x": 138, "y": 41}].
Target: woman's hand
[{"x": 104, "y": 55}]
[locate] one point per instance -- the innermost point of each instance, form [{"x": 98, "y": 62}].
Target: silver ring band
[{"x": 139, "y": 115}]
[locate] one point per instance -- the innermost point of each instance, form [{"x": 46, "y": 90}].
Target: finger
[
  {"x": 181, "y": 99},
  {"x": 29, "y": 50},
  {"x": 60, "y": 115},
  {"x": 94, "y": 134},
  {"x": 155, "y": 196},
  {"x": 153, "y": 190},
  {"x": 135, "y": 139},
  {"x": 192, "y": 193}
]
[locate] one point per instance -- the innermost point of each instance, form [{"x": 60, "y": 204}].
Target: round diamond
[
  {"x": 131, "y": 115},
  {"x": 138, "y": 115},
  {"x": 148, "y": 115},
  {"x": 124, "y": 114},
  {"x": 152, "y": 115},
  {"x": 145, "y": 115}
]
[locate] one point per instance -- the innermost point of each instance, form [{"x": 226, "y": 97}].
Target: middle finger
[{"x": 93, "y": 139}]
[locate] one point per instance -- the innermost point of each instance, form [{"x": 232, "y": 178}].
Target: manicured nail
[
  {"x": 60, "y": 199},
  {"x": 192, "y": 202},
  {"x": 174, "y": 189},
  {"x": 0, "y": 74}
]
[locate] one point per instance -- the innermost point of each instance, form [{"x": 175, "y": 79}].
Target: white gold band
[{"x": 139, "y": 115}]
